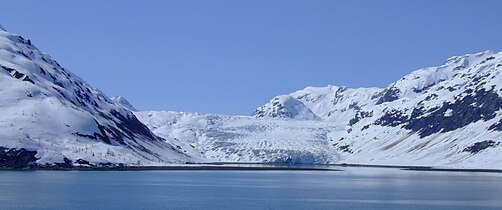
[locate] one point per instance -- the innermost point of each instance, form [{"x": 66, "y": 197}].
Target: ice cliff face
[{"x": 48, "y": 110}]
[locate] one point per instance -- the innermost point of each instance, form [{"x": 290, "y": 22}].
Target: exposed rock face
[
  {"x": 470, "y": 107},
  {"x": 388, "y": 95},
  {"x": 17, "y": 75},
  {"x": 392, "y": 118},
  {"x": 17, "y": 158},
  {"x": 496, "y": 127},
  {"x": 479, "y": 146}
]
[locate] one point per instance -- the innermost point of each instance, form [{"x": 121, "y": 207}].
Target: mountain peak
[
  {"x": 456, "y": 59},
  {"x": 2, "y": 28},
  {"x": 124, "y": 102},
  {"x": 285, "y": 106}
]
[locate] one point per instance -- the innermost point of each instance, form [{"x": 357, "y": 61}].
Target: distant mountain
[
  {"x": 123, "y": 101},
  {"x": 449, "y": 115},
  {"x": 51, "y": 116}
]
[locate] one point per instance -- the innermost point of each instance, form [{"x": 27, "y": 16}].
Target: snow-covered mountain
[
  {"x": 51, "y": 116},
  {"x": 449, "y": 115},
  {"x": 446, "y": 115}
]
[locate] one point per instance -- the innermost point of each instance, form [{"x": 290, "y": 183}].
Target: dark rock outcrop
[
  {"x": 18, "y": 75},
  {"x": 392, "y": 118},
  {"x": 67, "y": 163},
  {"x": 360, "y": 115},
  {"x": 479, "y": 105},
  {"x": 388, "y": 95},
  {"x": 17, "y": 158},
  {"x": 496, "y": 127},
  {"x": 479, "y": 146}
]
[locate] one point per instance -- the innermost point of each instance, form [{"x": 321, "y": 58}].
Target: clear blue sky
[{"x": 232, "y": 56}]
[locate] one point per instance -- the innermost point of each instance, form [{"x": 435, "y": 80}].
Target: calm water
[{"x": 356, "y": 188}]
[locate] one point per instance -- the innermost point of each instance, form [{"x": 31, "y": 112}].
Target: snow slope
[{"x": 47, "y": 109}]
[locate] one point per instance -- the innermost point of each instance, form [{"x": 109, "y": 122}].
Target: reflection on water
[{"x": 354, "y": 188}]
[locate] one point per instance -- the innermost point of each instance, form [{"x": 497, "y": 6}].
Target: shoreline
[
  {"x": 355, "y": 165},
  {"x": 187, "y": 167},
  {"x": 228, "y": 166},
  {"x": 421, "y": 168}
]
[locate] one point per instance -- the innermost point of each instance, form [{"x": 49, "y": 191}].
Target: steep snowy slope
[{"x": 46, "y": 109}]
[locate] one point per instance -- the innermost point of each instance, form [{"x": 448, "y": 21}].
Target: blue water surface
[{"x": 354, "y": 188}]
